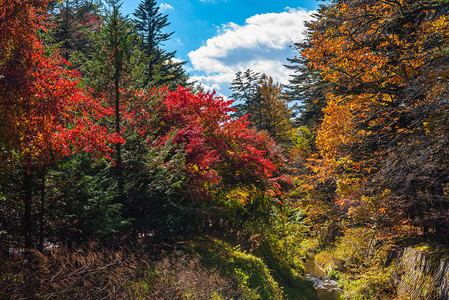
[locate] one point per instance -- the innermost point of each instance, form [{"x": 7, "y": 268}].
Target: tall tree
[
  {"x": 44, "y": 112},
  {"x": 73, "y": 21},
  {"x": 244, "y": 87},
  {"x": 264, "y": 102},
  {"x": 382, "y": 123},
  {"x": 161, "y": 68},
  {"x": 193, "y": 133},
  {"x": 272, "y": 111},
  {"x": 112, "y": 71},
  {"x": 117, "y": 47},
  {"x": 306, "y": 89}
]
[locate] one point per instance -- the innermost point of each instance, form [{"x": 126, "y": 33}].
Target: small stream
[{"x": 326, "y": 288}]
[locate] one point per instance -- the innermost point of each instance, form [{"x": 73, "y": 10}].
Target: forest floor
[{"x": 205, "y": 267}]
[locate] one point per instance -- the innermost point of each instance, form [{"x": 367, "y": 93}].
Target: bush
[
  {"x": 358, "y": 261},
  {"x": 374, "y": 284},
  {"x": 326, "y": 260},
  {"x": 218, "y": 271},
  {"x": 249, "y": 274},
  {"x": 355, "y": 248}
]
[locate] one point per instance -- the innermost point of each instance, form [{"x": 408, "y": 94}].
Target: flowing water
[{"x": 326, "y": 288}]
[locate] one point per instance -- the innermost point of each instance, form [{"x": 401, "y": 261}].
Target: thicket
[{"x": 373, "y": 83}]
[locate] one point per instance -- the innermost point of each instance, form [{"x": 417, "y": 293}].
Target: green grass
[
  {"x": 289, "y": 277},
  {"x": 258, "y": 275},
  {"x": 249, "y": 273}
]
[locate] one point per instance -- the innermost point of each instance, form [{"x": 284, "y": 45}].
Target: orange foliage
[{"x": 389, "y": 62}]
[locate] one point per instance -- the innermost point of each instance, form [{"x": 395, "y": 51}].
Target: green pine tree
[
  {"x": 114, "y": 71},
  {"x": 161, "y": 68},
  {"x": 73, "y": 20},
  {"x": 244, "y": 87},
  {"x": 307, "y": 89}
]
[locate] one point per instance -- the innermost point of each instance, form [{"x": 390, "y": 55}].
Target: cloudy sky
[{"x": 222, "y": 37}]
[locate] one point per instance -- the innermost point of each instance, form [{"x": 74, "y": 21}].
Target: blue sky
[{"x": 221, "y": 37}]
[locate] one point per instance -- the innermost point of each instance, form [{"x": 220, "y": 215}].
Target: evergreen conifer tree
[
  {"x": 73, "y": 20},
  {"x": 244, "y": 87},
  {"x": 161, "y": 67},
  {"x": 113, "y": 71},
  {"x": 307, "y": 90}
]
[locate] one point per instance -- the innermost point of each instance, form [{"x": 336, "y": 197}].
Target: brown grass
[
  {"x": 98, "y": 273},
  {"x": 183, "y": 276},
  {"x": 91, "y": 273}
]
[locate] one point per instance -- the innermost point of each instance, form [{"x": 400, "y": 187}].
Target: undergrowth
[{"x": 203, "y": 268}]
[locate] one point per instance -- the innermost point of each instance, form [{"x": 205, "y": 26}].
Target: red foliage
[
  {"x": 44, "y": 114},
  {"x": 218, "y": 150}
]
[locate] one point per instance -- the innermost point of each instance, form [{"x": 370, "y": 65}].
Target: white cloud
[
  {"x": 165, "y": 7},
  {"x": 219, "y": 81},
  {"x": 261, "y": 44},
  {"x": 176, "y": 60}
]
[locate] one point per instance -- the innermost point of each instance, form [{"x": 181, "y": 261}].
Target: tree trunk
[
  {"x": 27, "y": 199},
  {"x": 41, "y": 213},
  {"x": 4, "y": 247}
]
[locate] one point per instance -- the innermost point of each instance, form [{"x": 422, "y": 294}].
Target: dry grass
[
  {"x": 98, "y": 273},
  {"x": 184, "y": 276},
  {"x": 91, "y": 273}
]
